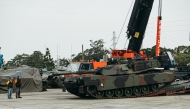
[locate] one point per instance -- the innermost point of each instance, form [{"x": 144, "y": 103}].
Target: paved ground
[{"x": 56, "y": 99}]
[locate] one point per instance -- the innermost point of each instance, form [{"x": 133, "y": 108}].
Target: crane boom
[
  {"x": 136, "y": 29},
  {"x": 158, "y": 28},
  {"x": 137, "y": 23}
]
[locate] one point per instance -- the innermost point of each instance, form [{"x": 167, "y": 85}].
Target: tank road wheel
[
  {"x": 137, "y": 91},
  {"x": 109, "y": 93},
  {"x": 145, "y": 89},
  {"x": 128, "y": 92},
  {"x": 154, "y": 87},
  {"x": 92, "y": 89},
  {"x": 99, "y": 94},
  {"x": 118, "y": 92}
]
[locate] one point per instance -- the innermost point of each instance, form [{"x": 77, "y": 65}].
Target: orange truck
[{"x": 87, "y": 68}]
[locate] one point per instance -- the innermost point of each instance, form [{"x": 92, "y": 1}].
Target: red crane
[{"x": 158, "y": 28}]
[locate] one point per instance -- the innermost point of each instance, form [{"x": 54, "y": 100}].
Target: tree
[
  {"x": 72, "y": 56},
  {"x": 182, "y": 56},
  {"x": 182, "y": 59},
  {"x": 35, "y": 60},
  {"x": 78, "y": 57},
  {"x": 24, "y": 58},
  {"x": 9, "y": 64},
  {"x": 64, "y": 62},
  {"x": 183, "y": 49},
  {"x": 181, "y": 53},
  {"x": 96, "y": 51},
  {"x": 17, "y": 61},
  {"x": 48, "y": 61},
  {"x": 150, "y": 52}
]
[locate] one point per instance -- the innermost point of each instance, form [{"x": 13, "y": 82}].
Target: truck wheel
[{"x": 178, "y": 79}]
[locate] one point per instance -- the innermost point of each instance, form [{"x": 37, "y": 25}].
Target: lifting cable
[{"x": 124, "y": 22}]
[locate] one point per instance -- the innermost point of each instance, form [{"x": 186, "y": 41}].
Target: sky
[{"x": 64, "y": 26}]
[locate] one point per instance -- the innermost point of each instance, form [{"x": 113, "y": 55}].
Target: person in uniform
[
  {"x": 18, "y": 86},
  {"x": 10, "y": 87}
]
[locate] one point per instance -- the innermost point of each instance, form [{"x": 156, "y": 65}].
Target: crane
[{"x": 136, "y": 29}]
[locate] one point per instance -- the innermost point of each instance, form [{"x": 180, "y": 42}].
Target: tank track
[
  {"x": 93, "y": 95},
  {"x": 72, "y": 92},
  {"x": 76, "y": 93}
]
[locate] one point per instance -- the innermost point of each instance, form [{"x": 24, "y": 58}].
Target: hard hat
[
  {"x": 10, "y": 77},
  {"x": 18, "y": 75}
]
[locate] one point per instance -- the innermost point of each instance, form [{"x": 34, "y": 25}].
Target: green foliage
[
  {"x": 78, "y": 57},
  {"x": 63, "y": 62},
  {"x": 182, "y": 59},
  {"x": 181, "y": 53},
  {"x": 17, "y": 61},
  {"x": 150, "y": 52},
  {"x": 182, "y": 49},
  {"x": 48, "y": 61},
  {"x": 96, "y": 51},
  {"x": 36, "y": 59}
]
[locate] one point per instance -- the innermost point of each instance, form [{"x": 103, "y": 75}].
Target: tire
[{"x": 178, "y": 78}]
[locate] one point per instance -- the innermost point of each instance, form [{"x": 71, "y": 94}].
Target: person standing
[
  {"x": 10, "y": 87},
  {"x": 18, "y": 86}
]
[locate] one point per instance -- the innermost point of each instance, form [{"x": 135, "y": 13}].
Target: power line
[
  {"x": 169, "y": 38},
  {"x": 177, "y": 20},
  {"x": 163, "y": 32},
  {"x": 176, "y": 25},
  {"x": 165, "y": 21},
  {"x": 162, "y": 40},
  {"x": 169, "y": 15},
  {"x": 168, "y": 30},
  {"x": 171, "y": 26},
  {"x": 124, "y": 21},
  {"x": 175, "y": 30}
]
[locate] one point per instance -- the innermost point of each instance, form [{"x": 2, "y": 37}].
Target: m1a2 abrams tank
[{"x": 130, "y": 78}]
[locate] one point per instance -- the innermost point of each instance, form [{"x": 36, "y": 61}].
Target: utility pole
[
  {"x": 59, "y": 56},
  {"x": 82, "y": 53},
  {"x": 105, "y": 58},
  {"x": 71, "y": 52},
  {"x": 114, "y": 41}
]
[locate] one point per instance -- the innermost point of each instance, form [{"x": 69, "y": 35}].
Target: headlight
[
  {"x": 79, "y": 79},
  {"x": 62, "y": 78}
]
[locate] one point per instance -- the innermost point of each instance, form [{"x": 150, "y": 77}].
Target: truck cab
[
  {"x": 82, "y": 68},
  {"x": 77, "y": 66}
]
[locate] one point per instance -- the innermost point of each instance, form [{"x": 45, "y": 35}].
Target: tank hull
[{"x": 136, "y": 84}]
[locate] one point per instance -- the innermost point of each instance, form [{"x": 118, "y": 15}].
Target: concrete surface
[{"x": 56, "y": 99}]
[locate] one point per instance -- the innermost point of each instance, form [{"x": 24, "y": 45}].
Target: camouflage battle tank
[{"x": 129, "y": 78}]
